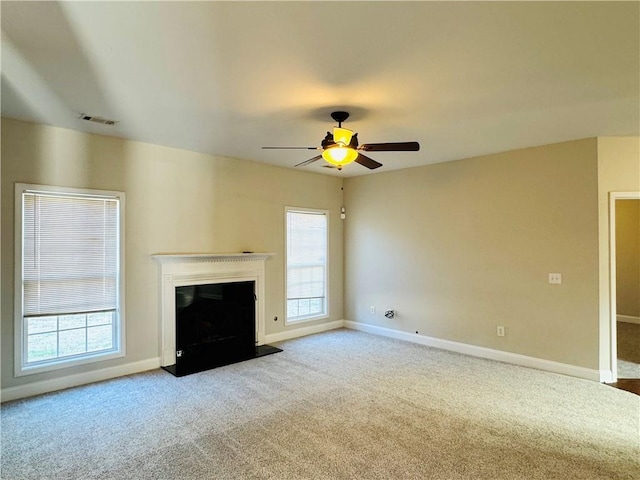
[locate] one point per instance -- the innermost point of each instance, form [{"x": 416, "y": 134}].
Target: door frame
[{"x": 613, "y": 310}]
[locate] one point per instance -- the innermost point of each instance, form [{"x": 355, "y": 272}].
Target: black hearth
[{"x": 215, "y": 326}]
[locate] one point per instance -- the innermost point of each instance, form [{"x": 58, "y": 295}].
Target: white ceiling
[{"x": 225, "y": 78}]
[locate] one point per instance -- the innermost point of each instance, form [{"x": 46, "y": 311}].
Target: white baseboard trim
[
  {"x": 628, "y": 319},
  {"x": 303, "y": 331},
  {"x": 46, "y": 386},
  {"x": 482, "y": 352}
]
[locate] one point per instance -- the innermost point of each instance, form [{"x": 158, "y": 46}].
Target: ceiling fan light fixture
[
  {"x": 341, "y": 147},
  {"x": 339, "y": 155},
  {"x": 342, "y": 136}
]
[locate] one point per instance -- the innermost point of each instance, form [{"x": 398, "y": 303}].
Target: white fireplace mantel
[{"x": 181, "y": 269}]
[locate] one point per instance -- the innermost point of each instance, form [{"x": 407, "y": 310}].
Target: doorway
[{"x": 625, "y": 285}]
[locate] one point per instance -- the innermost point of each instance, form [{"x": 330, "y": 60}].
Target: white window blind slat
[
  {"x": 70, "y": 254},
  {"x": 306, "y": 282}
]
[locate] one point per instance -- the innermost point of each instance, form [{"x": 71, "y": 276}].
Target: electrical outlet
[
  {"x": 500, "y": 330},
  {"x": 555, "y": 278},
  {"x": 373, "y": 310}
]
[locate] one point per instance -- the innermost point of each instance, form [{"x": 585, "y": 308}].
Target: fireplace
[{"x": 212, "y": 310}]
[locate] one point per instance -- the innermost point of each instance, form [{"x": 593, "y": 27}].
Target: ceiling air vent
[{"x": 92, "y": 118}]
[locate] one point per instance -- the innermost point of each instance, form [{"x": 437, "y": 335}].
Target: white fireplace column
[{"x": 178, "y": 270}]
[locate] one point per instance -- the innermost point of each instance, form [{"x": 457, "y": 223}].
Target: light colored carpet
[
  {"x": 628, "y": 343},
  {"x": 337, "y": 405}
]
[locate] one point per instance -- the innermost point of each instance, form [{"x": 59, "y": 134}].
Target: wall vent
[{"x": 93, "y": 118}]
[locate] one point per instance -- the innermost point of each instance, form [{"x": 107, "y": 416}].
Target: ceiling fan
[{"x": 340, "y": 147}]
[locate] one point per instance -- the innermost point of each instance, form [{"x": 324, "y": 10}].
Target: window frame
[
  {"x": 20, "y": 342},
  {"x": 325, "y": 314}
]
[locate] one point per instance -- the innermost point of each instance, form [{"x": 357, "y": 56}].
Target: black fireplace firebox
[{"x": 215, "y": 326}]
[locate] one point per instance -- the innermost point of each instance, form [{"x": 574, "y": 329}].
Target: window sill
[
  {"x": 66, "y": 363},
  {"x": 306, "y": 319}
]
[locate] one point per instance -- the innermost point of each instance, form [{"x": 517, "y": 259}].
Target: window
[
  {"x": 69, "y": 288},
  {"x": 306, "y": 264}
]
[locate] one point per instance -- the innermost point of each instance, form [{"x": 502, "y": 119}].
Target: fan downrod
[{"x": 339, "y": 117}]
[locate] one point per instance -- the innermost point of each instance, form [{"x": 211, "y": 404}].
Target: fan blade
[
  {"x": 307, "y": 162},
  {"x": 291, "y": 148},
  {"x": 390, "y": 147},
  {"x": 367, "y": 162}
]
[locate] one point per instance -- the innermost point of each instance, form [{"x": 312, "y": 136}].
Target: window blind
[
  {"x": 306, "y": 254},
  {"x": 70, "y": 253}
]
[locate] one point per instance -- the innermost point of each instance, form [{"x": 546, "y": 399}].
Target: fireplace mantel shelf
[{"x": 209, "y": 257}]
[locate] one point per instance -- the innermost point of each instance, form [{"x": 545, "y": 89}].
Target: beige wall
[
  {"x": 176, "y": 201},
  {"x": 618, "y": 171},
  {"x": 461, "y": 247},
  {"x": 628, "y": 257}
]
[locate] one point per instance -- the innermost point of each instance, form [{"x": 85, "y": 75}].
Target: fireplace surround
[{"x": 201, "y": 269}]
